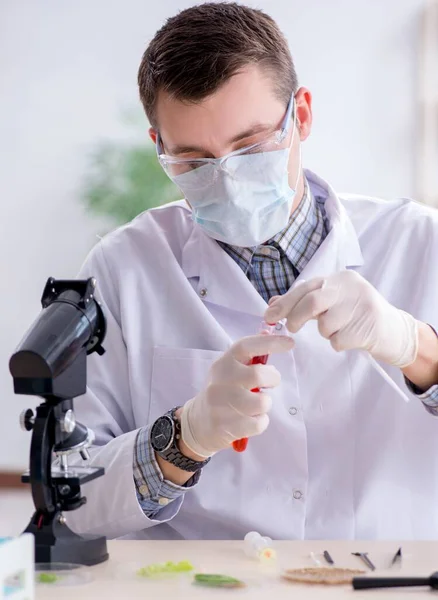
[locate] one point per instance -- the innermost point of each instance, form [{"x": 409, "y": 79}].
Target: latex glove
[
  {"x": 351, "y": 314},
  {"x": 227, "y": 410}
]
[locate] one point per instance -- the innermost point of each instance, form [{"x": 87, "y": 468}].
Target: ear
[
  {"x": 303, "y": 103},
  {"x": 153, "y": 135}
]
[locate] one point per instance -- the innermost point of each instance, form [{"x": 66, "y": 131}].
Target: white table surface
[{"x": 116, "y": 578}]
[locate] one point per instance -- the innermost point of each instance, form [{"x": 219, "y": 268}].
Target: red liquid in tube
[{"x": 240, "y": 445}]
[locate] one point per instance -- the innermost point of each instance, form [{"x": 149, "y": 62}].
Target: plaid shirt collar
[{"x": 298, "y": 241}]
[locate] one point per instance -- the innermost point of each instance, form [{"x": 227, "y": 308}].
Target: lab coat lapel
[
  {"x": 221, "y": 280},
  {"x": 340, "y": 249}
]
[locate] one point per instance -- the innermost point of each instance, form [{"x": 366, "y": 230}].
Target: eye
[
  {"x": 256, "y": 149},
  {"x": 179, "y": 168},
  {"x": 246, "y": 144},
  {"x": 191, "y": 166},
  {"x": 185, "y": 167}
]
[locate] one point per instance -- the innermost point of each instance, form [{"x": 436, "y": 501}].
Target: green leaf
[{"x": 214, "y": 580}]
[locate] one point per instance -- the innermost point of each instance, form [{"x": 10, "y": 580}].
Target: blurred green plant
[{"x": 124, "y": 179}]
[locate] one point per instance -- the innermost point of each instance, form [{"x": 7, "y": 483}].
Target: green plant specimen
[
  {"x": 214, "y": 580},
  {"x": 165, "y": 568}
]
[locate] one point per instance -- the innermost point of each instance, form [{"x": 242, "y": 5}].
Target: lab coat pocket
[{"x": 178, "y": 374}]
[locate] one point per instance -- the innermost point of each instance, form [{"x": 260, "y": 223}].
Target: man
[{"x": 333, "y": 451}]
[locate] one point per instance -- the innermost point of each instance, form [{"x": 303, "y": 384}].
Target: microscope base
[{"x": 56, "y": 543}]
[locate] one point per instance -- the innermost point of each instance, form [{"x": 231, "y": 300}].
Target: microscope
[{"x": 51, "y": 362}]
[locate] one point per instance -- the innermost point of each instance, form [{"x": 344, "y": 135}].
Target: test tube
[{"x": 241, "y": 445}]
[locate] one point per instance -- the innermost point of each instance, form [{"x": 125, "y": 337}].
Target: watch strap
[{"x": 173, "y": 454}]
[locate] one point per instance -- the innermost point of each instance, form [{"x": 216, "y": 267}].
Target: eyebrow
[{"x": 253, "y": 130}]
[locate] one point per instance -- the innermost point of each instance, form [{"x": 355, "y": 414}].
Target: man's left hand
[{"x": 351, "y": 314}]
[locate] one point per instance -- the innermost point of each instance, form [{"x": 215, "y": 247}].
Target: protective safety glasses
[{"x": 207, "y": 169}]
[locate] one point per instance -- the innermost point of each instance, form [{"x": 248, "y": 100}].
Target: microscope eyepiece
[{"x": 70, "y": 324}]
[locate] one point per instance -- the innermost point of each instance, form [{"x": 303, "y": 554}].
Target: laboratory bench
[{"x": 117, "y": 578}]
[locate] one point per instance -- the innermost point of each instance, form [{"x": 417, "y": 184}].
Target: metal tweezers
[{"x": 364, "y": 557}]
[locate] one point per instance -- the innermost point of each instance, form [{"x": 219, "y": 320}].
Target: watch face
[{"x": 162, "y": 433}]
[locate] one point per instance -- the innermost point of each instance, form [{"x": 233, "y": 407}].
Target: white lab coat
[{"x": 343, "y": 457}]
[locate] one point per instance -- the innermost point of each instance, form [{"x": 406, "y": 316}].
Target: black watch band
[{"x": 171, "y": 453}]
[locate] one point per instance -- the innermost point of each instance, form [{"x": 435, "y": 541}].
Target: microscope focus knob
[
  {"x": 68, "y": 422},
  {"x": 27, "y": 420}
]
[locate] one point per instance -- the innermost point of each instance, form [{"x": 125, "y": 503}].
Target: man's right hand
[{"x": 227, "y": 410}]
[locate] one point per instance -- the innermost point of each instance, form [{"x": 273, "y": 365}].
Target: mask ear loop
[{"x": 299, "y": 148}]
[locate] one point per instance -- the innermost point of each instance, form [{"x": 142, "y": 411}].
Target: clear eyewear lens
[
  {"x": 202, "y": 173},
  {"x": 205, "y": 171},
  {"x": 174, "y": 167},
  {"x": 275, "y": 142}
]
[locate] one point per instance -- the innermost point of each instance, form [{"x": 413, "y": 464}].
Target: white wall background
[{"x": 67, "y": 69}]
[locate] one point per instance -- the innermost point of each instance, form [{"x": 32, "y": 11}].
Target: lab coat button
[
  {"x": 144, "y": 490},
  {"x": 203, "y": 292},
  {"x": 298, "y": 495},
  {"x": 293, "y": 410}
]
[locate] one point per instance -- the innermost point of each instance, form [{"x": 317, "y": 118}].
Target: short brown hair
[{"x": 202, "y": 47}]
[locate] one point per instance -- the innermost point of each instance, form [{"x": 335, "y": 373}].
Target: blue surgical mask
[{"x": 242, "y": 199}]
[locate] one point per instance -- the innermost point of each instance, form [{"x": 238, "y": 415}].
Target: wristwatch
[{"x": 165, "y": 435}]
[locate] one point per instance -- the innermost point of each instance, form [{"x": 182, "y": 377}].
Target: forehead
[{"x": 243, "y": 101}]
